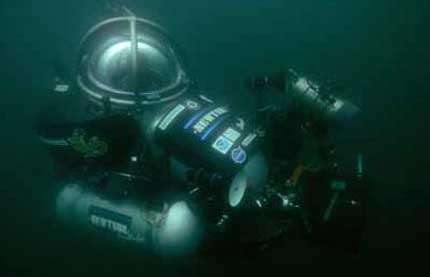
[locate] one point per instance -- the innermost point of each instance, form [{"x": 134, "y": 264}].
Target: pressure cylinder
[{"x": 172, "y": 230}]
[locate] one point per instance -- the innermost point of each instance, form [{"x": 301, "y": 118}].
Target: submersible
[
  {"x": 129, "y": 69},
  {"x": 159, "y": 163}
]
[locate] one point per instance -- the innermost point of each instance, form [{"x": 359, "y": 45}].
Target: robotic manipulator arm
[{"x": 331, "y": 202}]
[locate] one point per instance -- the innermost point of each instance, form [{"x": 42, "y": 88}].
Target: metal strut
[{"x": 134, "y": 49}]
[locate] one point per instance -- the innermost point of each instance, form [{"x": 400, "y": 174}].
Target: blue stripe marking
[
  {"x": 214, "y": 125},
  {"x": 195, "y": 117}
]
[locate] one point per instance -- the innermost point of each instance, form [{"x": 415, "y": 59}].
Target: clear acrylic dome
[{"x": 129, "y": 61}]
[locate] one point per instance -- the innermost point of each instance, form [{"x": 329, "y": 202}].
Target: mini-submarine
[{"x": 155, "y": 161}]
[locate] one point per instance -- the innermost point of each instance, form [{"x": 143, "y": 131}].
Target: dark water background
[{"x": 378, "y": 49}]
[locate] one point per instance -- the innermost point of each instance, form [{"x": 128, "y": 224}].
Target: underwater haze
[{"x": 378, "y": 50}]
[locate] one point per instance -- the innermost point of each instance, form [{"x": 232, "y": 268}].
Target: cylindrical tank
[
  {"x": 172, "y": 230},
  {"x": 315, "y": 98},
  {"x": 311, "y": 95}
]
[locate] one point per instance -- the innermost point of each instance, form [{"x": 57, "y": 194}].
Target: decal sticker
[
  {"x": 231, "y": 134},
  {"x": 62, "y": 88},
  {"x": 110, "y": 221},
  {"x": 222, "y": 145},
  {"x": 195, "y": 117},
  {"x": 250, "y": 138},
  {"x": 213, "y": 127},
  {"x": 224, "y": 142},
  {"x": 93, "y": 147},
  {"x": 238, "y": 155},
  {"x": 171, "y": 116},
  {"x": 207, "y": 119}
]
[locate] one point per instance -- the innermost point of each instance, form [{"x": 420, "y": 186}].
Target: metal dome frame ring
[
  {"x": 180, "y": 80},
  {"x": 98, "y": 97}
]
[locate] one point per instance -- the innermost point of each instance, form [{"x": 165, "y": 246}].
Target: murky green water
[{"x": 378, "y": 50}]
